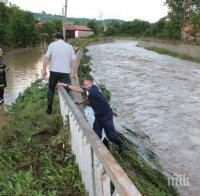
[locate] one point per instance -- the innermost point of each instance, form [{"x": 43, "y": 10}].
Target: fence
[{"x": 98, "y": 167}]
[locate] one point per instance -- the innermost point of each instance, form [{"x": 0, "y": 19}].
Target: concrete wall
[
  {"x": 85, "y": 33},
  {"x": 189, "y": 50}
]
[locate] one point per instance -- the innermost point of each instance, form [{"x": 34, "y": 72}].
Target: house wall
[
  {"x": 85, "y": 33},
  {"x": 76, "y": 34}
]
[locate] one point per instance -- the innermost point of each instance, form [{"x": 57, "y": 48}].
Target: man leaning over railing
[{"x": 102, "y": 110}]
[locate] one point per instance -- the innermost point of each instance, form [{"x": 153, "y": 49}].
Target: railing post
[
  {"x": 63, "y": 108},
  {"x": 89, "y": 168},
  {"x": 102, "y": 182}
]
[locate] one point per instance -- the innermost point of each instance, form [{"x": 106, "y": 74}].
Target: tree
[
  {"x": 24, "y": 31},
  {"x": 114, "y": 28},
  {"x": 48, "y": 30},
  {"x": 95, "y": 26},
  {"x": 183, "y": 12}
]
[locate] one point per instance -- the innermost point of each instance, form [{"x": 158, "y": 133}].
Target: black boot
[
  {"x": 50, "y": 103},
  {"x": 106, "y": 143}
]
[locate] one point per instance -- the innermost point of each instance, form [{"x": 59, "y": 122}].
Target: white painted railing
[{"x": 98, "y": 167}]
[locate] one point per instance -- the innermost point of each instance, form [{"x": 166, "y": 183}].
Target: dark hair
[
  {"x": 59, "y": 36},
  {"x": 89, "y": 78}
]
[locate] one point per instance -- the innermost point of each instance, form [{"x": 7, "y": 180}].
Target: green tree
[
  {"x": 48, "y": 30},
  {"x": 4, "y": 21},
  {"x": 24, "y": 30},
  {"x": 182, "y": 12},
  {"x": 95, "y": 26},
  {"x": 17, "y": 27},
  {"x": 114, "y": 29}
]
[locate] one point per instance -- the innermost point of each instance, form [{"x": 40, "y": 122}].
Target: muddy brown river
[
  {"x": 160, "y": 96},
  {"x": 153, "y": 94},
  {"x": 24, "y": 68}
]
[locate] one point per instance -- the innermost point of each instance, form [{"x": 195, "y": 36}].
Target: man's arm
[
  {"x": 44, "y": 69},
  {"x": 71, "y": 87},
  {"x": 46, "y": 61},
  {"x": 74, "y": 64},
  {"x": 84, "y": 102}
]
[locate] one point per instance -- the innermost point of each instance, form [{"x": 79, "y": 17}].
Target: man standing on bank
[
  {"x": 102, "y": 110},
  {"x": 62, "y": 58},
  {"x": 3, "y": 70}
]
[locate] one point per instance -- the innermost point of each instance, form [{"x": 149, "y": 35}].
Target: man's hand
[
  {"x": 61, "y": 84},
  {"x": 79, "y": 102},
  {"x": 44, "y": 73}
]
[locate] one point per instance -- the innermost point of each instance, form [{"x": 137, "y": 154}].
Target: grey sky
[{"x": 151, "y": 10}]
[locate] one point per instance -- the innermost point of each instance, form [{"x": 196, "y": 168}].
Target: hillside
[{"x": 50, "y": 17}]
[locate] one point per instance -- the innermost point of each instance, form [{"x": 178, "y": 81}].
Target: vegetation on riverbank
[
  {"x": 148, "y": 180},
  {"x": 40, "y": 164},
  {"x": 19, "y": 28},
  {"x": 82, "y": 42},
  {"x": 174, "y": 54}
]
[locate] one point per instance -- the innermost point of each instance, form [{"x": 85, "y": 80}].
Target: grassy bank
[
  {"x": 148, "y": 180},
  {"x": 82, "y": 42},
  {"x": 174, "y": 54},
  {"x": 39, "y": 164}
]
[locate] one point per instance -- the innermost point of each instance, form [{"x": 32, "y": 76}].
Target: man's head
[
  {"x": 88, "y": 82},
  {"x": 1, "y": 52},
  {"x": 59, "y": 36}
]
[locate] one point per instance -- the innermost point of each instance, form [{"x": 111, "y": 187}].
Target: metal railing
[{"x": 98, "y": 167}]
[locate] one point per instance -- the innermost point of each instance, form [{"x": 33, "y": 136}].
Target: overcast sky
[{"x": 150, "y": 10}]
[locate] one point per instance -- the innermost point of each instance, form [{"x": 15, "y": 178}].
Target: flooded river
[
  {"x": 160, "y": 96},
  {"x": 154, "y": 94},
  {"x": 24, "y": 67}
]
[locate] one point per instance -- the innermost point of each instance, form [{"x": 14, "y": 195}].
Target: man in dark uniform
[
  {"x": 102, "y": 110},
  {"x": 2, "y": 76}
]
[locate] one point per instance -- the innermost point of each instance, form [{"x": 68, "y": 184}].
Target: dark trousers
[
  {"x": 1, "y": 92},
  {"x": 106, "y": 122},
  {"x": 54, "y": 78}
]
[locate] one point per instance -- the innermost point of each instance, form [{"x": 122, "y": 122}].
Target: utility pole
[{"x": 64, "y": 11}]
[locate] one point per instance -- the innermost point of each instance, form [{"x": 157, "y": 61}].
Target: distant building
[{"x": 75, "y": 31}]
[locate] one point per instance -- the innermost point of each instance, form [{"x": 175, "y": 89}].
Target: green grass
[
  {"x": 82, "y": 42},
  {"x": 148, "y": 180},
  {"x": 40, "y": 165},
  {"x": 174, "y": 54}
]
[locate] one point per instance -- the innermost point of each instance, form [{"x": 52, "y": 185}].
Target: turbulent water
[
  {"x": 24, "y": 66},
  {"x": 160, "y": 96}
]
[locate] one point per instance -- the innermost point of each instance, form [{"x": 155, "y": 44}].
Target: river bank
[
  {"x": 35, "y": 153},
  {"x": 186, "y": 52}
]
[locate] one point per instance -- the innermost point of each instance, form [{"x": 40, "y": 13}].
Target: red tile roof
[{"x": 77, "y": 28}]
